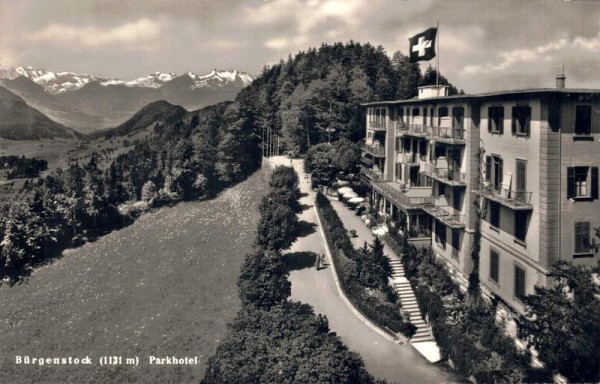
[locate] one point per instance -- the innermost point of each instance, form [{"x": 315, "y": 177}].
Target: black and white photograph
[{"x": 299, "y": 191}]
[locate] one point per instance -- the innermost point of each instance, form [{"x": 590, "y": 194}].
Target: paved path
[{"x": 384, "y": 358}]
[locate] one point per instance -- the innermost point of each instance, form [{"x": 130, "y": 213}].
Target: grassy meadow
[{"x": 164, "y": 286}]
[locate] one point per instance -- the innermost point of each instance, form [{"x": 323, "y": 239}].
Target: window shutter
[
  {"x": 570, "y": 182},
  {"x": 490, "y": 119},
  {"x": 513, "y": 122},
  {"x": 594, "y": 182},
  {"x": 500, "y": 171},
  {"x": 488, "y": 168},
  {"x": 528, "y": 121},
  {"x": 501, "y": 121}
]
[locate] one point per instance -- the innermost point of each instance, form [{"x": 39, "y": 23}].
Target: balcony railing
[
  {"x": 449, "y": 177},
  {"x": 375, "y": 150},
  {"x": 371, "y": 174},
  {"x": 377, "y": 125},
  {"x": 517, "y": 200},
  {"x": 418, "y": 129},
  {"x": 400, "y": 126},
  {"x": 444, "y": 213},
  {"x": 396, "y": 196},
  {"x": 409, "y": 158},
  {"x": 451, "y": 135}
]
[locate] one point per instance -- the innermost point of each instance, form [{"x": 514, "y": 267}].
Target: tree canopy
[{"x": 563, "y": 323}]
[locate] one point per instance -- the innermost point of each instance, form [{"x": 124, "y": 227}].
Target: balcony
[
  {"x": 411, "y": 159},
  {"x": 444, "y": 213},
  {"x": 400, "y": 127},
  {"x": 444, "y": 175},
  {"x": 377, "y": 125},
  {"x": 370, "y": 174},
  {"x": 452, "y": 178},
  {"x": 374, "y": 150},
  {"x": 449, "y": 135},
  {"x": 398, "y": 197},
  {"x": 417, "y": 130},
  {"x": 516, "y": 200}
]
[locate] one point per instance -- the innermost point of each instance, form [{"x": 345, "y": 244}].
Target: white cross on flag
[{"x": 422, "y": 45}]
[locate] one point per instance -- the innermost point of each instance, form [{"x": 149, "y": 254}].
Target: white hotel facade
[{"x": 533, "y": 157}]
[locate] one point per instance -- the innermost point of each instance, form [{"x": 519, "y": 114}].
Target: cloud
[
  {"x": 8, "y": 58},
  {"x": 561, "y": 48},
  {"x": 305, "y": 22},
  {"x": 136, "y": 35}
]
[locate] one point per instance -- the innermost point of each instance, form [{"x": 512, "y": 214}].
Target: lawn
[{"x": 164, "y": 286}]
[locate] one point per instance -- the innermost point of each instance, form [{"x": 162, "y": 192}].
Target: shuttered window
[
  {"x": 494, "y": 265},
  {"x": 495, "y": 214},
  {"x": 521, "y": 118},
  {"x": 440, "y": 234},
  {"x": 583, "y": 120},
  {"x": 496, "y": 119},
  {"x": 521, "y": 224},
  {"x": 519, "y": 282},
  {"x": 582, "y": 182},
  {"x": 582, "y": 237},
  {"x": 521, "y": 182}
]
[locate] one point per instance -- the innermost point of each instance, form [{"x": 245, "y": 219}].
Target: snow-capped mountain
[
  {"x": 88, "y": 102},
  {"x": 53, "y": 82},
  {"x": 60, "y": 82}
]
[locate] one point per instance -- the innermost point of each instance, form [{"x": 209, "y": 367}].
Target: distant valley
[{"x": 88, "y": 103}]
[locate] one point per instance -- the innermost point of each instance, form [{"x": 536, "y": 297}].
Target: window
[
  {"x": 521, "y": 117},
  {"x": 456, "y": 239},
  {"x": 494, "y": 265},
  {"x": 493, "y": 171},
  {"x": 441, "y": 189},
  {"x": 519, "y": 282},
  {"x": 521, "y": 179},
  {"x": 495, "y": 214},
  {"x": 401, "y": 114},
  {"x": 583, "y": 120},
  {"x": 458, "y": 117},
  {"x": 582, "y": 237},
  {"x": 442, "y": 112},
  {"x": 582, "y": 182},
  {"x": 440, "y": 234},
  {"x": 431, "y": 116},
  {"x": 521, "y": 225},
  {"x": 496, "y": 119},
  {"x": 416, "y": 112}
]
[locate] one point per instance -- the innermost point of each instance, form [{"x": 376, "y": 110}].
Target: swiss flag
[{"x": 422, "y": 45}]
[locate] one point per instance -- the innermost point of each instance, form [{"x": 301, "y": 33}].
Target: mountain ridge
[
  {"x": 20, "y": 121},
  {"x": 89, "y": 103},
  {"x": 61, "y": 82}
]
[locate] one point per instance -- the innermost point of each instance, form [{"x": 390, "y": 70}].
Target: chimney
[{"x": 560, "y": 81}]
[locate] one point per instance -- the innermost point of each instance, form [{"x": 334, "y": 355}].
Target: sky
[{"x": 483, "y": 45}]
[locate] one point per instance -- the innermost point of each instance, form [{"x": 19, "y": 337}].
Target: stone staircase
[{"x": 409, "y": 303}]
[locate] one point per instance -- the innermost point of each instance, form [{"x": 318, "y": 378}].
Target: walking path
[
  {"x": 384, "y": 357},
  {"x": 423, "y": 340}
]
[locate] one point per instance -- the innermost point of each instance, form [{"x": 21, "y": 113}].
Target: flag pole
[{"x": 437, "y": 70}]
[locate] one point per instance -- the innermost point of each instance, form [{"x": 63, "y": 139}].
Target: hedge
[{"x": 385, "y": 314}]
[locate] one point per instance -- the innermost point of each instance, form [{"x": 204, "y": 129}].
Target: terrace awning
[
  {"x": 344, "y": 190},
  {"x": 356, "y": 200}
]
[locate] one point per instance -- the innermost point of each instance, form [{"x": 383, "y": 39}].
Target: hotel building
[{"x": 531, "y": 155}]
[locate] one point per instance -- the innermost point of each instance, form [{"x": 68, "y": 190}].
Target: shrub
[
  {"x": 465, "y": 331},
  {"x": 352, "y": 269}
]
